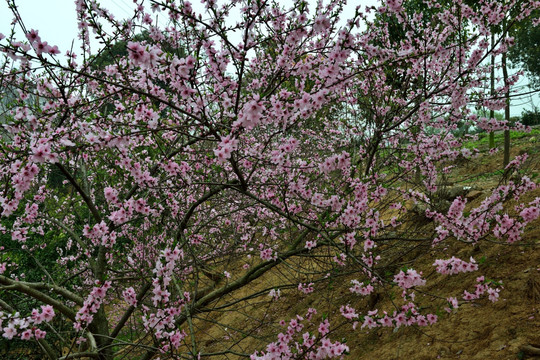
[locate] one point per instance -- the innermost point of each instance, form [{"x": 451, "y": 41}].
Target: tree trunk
[
  {"x": 492, "y": 92},
  {"x": 506, "y": 159}
]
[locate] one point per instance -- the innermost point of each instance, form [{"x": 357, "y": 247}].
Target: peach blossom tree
[{"x": 151, "y": 195}]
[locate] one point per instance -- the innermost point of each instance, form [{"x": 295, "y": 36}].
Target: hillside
[{"x": 506, "y": 329}]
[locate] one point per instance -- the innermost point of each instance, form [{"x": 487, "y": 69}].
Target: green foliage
[
  {"x": 31, "y": 264},
  {"x": 483, "y": 138},
  {"x": 526, "y": 51},
  {"x": 531, "y": 117},
  {"x": 30, "y": 267},
  {"x": 493, "y": 282},
  {"x": 16, "y": 349},
  {"x": 497, "y": 115}
]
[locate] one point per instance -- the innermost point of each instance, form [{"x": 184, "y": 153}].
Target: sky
[
  {"x": 56, "y": 22},
  {"x": 55, "y": 19}
]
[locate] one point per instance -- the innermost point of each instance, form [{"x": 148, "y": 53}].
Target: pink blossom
[
  {"x": 9, "y": 332},
  {"x": 455, "y": 266},
  {"x": 409, "y": 279},
  {"x": 27, "y": 335},
  {"x": 530, "y": 214},
  {"x": 306, "y": 288},
  {"x": 348, "y": 312},
  {"x": 130, "y": 296},
  {"x": 39, "y": 334},
  {"x": 47, "y": 312},
  {"x": 324, "y": 327}
]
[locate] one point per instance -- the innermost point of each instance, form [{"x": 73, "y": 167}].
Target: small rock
[{"x": 444, "y": 350}]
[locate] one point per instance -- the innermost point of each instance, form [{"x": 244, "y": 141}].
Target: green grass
[{"x": 483, "y": 138}]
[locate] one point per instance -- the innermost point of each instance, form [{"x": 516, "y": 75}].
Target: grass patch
[{"x": 483, "y": 138}]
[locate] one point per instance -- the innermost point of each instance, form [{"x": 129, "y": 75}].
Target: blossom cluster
[
  {"x": 360, "y": 288},
  {"x": 309, "y": 347},
  {"x": 142, "y": 55},
  {"x": 41, "y": 47},
  {"x": 455, "y": 266},
  {"x": 488, "y": 216},
  {"x": 225, "y": 148},
  {"x": 409, "y": 279},
  {"x": 91, "y": 305},
  {"x": 406, "y": 316},
  {"x": 13, "y": 325}
]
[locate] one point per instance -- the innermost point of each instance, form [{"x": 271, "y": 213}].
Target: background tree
[{"x": 525, "y": 52}]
